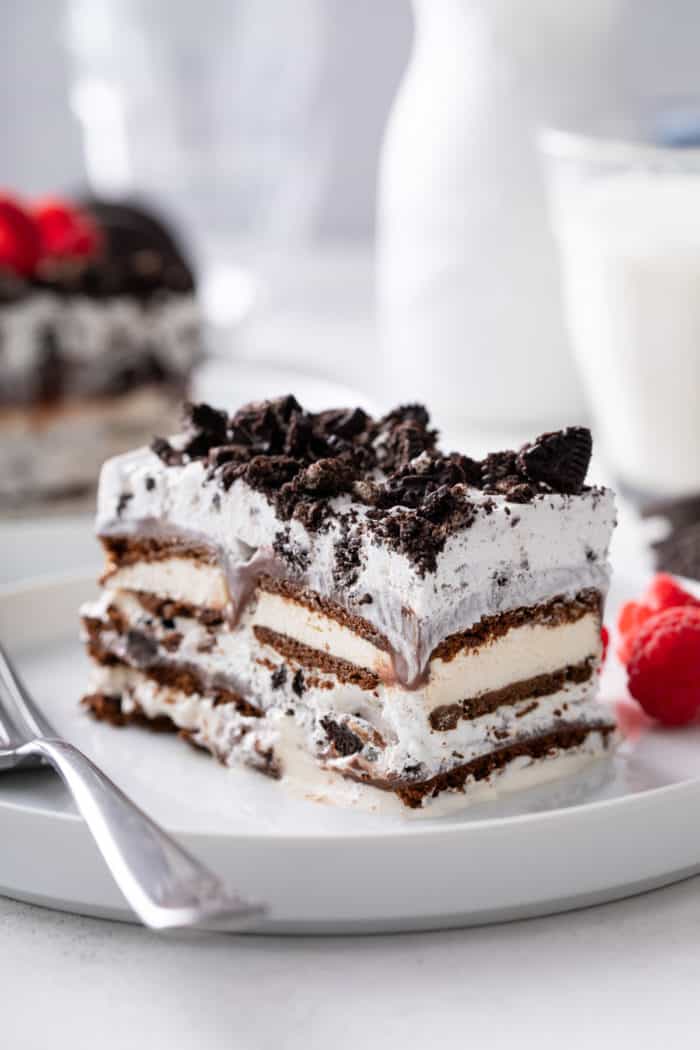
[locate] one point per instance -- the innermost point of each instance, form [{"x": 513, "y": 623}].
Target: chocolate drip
[{"x": 242, "y": 578}]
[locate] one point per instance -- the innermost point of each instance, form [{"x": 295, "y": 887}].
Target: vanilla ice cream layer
[
  {"x": 176, "y": 579},
  {"x": 520, "y": 654},
  {"x": 511, "y": 555}
]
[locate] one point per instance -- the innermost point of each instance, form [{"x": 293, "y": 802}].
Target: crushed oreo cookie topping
[{"x": 412, "y": 495}]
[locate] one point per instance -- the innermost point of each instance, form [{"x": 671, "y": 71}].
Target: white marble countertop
[{"x": 619, "y": 975}]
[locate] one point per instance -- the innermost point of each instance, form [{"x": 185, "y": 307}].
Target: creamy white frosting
[{"x": 515, "y": 555}]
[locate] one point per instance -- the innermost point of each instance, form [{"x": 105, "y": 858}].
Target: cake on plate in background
[{"x": 99, "y": 332}]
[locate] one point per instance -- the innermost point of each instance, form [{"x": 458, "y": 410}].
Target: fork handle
[{"x": 163, "y": 883}]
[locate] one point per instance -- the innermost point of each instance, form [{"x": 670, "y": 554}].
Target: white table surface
[{"x": 619, "y": 975}]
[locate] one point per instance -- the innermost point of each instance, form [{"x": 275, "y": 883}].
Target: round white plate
[{"x": 629, "y": 826}]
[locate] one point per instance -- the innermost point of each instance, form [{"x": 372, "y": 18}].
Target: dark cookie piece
[
  {"x": 172, "y": 457},
  {"x": 402, "y": 435},
  {"x": 219, "y": 455},
  {"x": 206, "y": 427},
  {"x": 421, "y": 534},
  {"x": 300, "y": 439},
  {"x": 411, "y": 485},
  {"x": 343, "y": 739},
  {"x": 207, "y": 419},
  {"x": 123, "y": 502},
  {"x": 264, "y": 424},
  {"x": 559, "y": 459},
  {"x": 141, "y": 648},
  {"x": 278, "y": 677},
  {"x": 328, "y": 477},
  {"x": 270, "y": 472},
  {"x": 403, "y": 413},
  {"x": 497, "y": 467},
  {"x": 345, "y": 423},
  {"x": 294, "y": 556},
  {"x": 407, "y": 441},
  {"x": 347, "y": 557}
]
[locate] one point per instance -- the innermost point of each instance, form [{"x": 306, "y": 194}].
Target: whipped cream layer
[{"x": 511, "y": 555}]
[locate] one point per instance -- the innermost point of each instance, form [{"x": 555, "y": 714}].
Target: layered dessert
[
  {"x": 281, "y": 582},
  {"x": 99, "y": 333}
]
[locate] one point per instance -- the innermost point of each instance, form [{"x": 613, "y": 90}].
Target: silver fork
[{"x": 164, "y": 884}]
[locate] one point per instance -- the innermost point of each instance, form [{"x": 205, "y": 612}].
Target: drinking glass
[
  {"x": 209, "y": 110},
  {"x": 625, "y": 209}
]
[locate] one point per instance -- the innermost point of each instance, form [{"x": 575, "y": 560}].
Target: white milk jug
[{"x": 468, "y": 284}]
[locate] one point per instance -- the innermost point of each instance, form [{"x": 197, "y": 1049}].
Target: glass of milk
[{"x": 626, "y": 216}]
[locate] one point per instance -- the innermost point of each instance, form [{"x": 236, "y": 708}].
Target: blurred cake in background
[{"x": 99, "y": 333}]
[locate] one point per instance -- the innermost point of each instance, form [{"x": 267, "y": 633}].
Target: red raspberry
[
  {"x": 605, "y": 641},
  {"x": 630, "y": 619},
  {"x": 664, "y": 668},
  {"x": 66, "y": 232},
  {"x": 20, "y": 242},
  {"x": 664, "y": 593}
]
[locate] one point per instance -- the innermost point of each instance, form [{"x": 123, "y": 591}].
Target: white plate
[{"x": 327, "y": 869}]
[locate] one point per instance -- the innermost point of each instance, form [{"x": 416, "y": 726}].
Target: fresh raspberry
[
  {"x": 630, "y": 620},
  {"x": 66, "y": 232},
  {"x": 605, "y": 641},
  {"x": 20, "y": 242},
  {"x": 664, "y": 593},
  {"x": 664, "y": 668}
]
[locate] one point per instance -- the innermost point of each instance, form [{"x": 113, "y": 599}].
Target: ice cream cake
[
  {"x": 99, "y": 332},
  {"x": 420, "y": 622}
]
